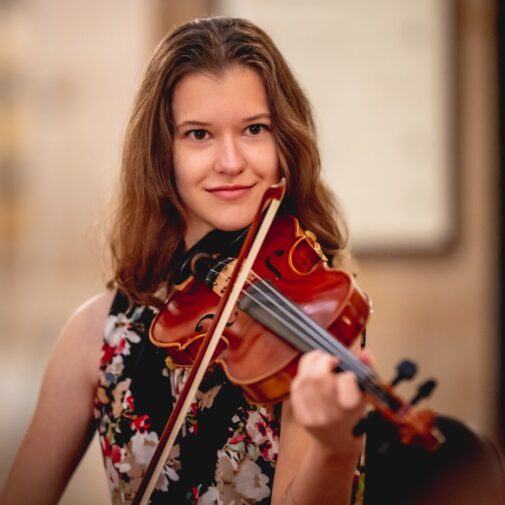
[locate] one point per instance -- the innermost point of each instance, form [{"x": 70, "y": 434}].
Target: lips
[{"x": 230, "y": 192}]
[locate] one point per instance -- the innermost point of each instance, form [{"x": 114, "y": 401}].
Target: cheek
[
  {"x": 275, "y": 171},
  {"x": 185, "y": 169},
  {"x": 190, "y": 165},
  {"x": 267, "y": 162},
  {"x": 180, "y": 183},
  {"x": 176, "y": 164}
]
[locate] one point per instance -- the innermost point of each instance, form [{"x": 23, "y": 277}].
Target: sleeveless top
[{"x": 226, "y": 452}]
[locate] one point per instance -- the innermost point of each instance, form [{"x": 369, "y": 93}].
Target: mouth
[{"x": 233, "y": 192}]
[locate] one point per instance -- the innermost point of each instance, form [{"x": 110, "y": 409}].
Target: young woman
[{"x": 219, "y": 118}]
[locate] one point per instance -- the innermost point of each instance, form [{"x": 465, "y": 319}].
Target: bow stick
[{"x": 252, "y": 244}]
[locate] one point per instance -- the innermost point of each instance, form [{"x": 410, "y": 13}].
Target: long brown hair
[{"x": 147, "y": 234}]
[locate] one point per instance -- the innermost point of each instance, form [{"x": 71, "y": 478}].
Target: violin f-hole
[
  {"x": 270, "y": 265},
  {"x": 199, "y": 327}
]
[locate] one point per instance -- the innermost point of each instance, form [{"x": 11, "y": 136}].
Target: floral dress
[{"x": 226, "y": 452}]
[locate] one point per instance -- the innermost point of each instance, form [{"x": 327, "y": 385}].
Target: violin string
[
  {"x": 315, "y": 332},
  {"x": 365, "y": 375},
  {"x": 312, "y": 333},
  {"x": 276, "y": 315}
]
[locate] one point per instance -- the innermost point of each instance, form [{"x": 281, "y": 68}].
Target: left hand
[{"x": 327, "y": 404}]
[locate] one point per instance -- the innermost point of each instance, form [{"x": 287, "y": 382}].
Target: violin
[
  {"x": 255, "y": 314},
  {"x": 278, "y": 300}
]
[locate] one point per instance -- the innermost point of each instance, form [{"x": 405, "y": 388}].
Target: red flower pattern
[{"x": 141, "y": 423}]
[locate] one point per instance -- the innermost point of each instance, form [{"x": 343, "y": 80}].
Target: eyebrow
[
  {"x": 262, "y": 115},
  {"x": 192, "y": 122}
]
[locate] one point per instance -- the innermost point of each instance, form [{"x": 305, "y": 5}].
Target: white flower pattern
[{"x": 244, "y": 464}]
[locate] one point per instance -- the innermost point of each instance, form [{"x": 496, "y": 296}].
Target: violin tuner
[
  {"x": 424, "y": 391},
  {"x": 405, "y": 370}
]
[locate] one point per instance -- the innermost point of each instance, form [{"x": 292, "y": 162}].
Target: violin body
[{"x": 252, "y": 356}]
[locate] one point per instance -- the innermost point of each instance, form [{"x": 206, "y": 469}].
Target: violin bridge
[
  {"x": 220, "y": 281},
  {"x": 222, "y": 278}
]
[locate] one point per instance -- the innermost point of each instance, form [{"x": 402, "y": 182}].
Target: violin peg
[
  {"x": 405, "y": 370},
  {"x": 361, "y": 427},
  {"x": 424, "y": 391}
]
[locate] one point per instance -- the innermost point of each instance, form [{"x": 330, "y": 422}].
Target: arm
[
  {"x": 318, "y": 453},
  {"x": 62, "y": 425}
]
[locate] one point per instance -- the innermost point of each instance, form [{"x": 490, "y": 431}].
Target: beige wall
[
  {"x": 78, "y": 64},
  {"x": 436, "y": 304},
  {"x": 443, "y": 309},
  {"x": 76, "y": 67}
]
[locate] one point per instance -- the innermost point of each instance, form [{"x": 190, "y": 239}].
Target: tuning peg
[
  {"x": 361, "y": 426},
  {"x": 424, "y": 391},
  {"x": 404, "y": 371}
]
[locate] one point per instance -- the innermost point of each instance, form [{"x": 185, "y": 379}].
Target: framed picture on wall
[{"x": 379, "y": 74}]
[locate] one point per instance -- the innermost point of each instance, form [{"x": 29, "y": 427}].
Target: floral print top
[{"x": 226, "y": 452}]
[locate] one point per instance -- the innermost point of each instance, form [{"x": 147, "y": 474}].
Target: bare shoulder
[
  {"x": 72, "y": 371},
  {"x": 80, "y": 340},
  {"x": 92, "y": 313},
  {"x": 89, "y": 318}
]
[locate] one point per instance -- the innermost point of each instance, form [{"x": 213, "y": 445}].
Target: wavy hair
[{"x": 146, "y": 236}]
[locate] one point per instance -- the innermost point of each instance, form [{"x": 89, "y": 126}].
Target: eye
[
  {"x": 256, "y": 129},
  {"x": 197, "y": 134}
]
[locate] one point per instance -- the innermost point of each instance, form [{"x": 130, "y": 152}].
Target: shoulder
[
  {"x": 80, "y": 341},
  {"x": 98, "y": 305},
  {"x": 91, "y": 315}
]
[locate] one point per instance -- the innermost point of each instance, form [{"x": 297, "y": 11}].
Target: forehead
[{"x": 237, "y": 91}]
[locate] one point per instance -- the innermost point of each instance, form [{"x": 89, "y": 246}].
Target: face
[{"x": 225, "y": 156}]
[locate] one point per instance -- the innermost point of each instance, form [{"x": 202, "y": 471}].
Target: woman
[{"x": 219, "y": 117}]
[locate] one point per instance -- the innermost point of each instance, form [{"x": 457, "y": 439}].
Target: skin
[
  {"x": 224, "y": 158},
  {"x": 225, "y": 155}
]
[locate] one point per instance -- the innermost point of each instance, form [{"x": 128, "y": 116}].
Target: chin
[{"x": 235, "y": 224}]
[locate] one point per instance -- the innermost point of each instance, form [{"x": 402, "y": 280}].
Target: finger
[
  {"x": 317, "y": 363},
  {"x": 366, "y": 357},
  {"x": 349, "y": 395}
]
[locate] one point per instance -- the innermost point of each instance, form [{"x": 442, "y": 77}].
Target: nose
[{"x": 230, "y": 158}]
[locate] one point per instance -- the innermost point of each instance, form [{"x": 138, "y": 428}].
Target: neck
[{"x": 215, "y": 242}]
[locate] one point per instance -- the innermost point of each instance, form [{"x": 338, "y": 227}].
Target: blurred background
[{"x": 406, "y": 99}]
